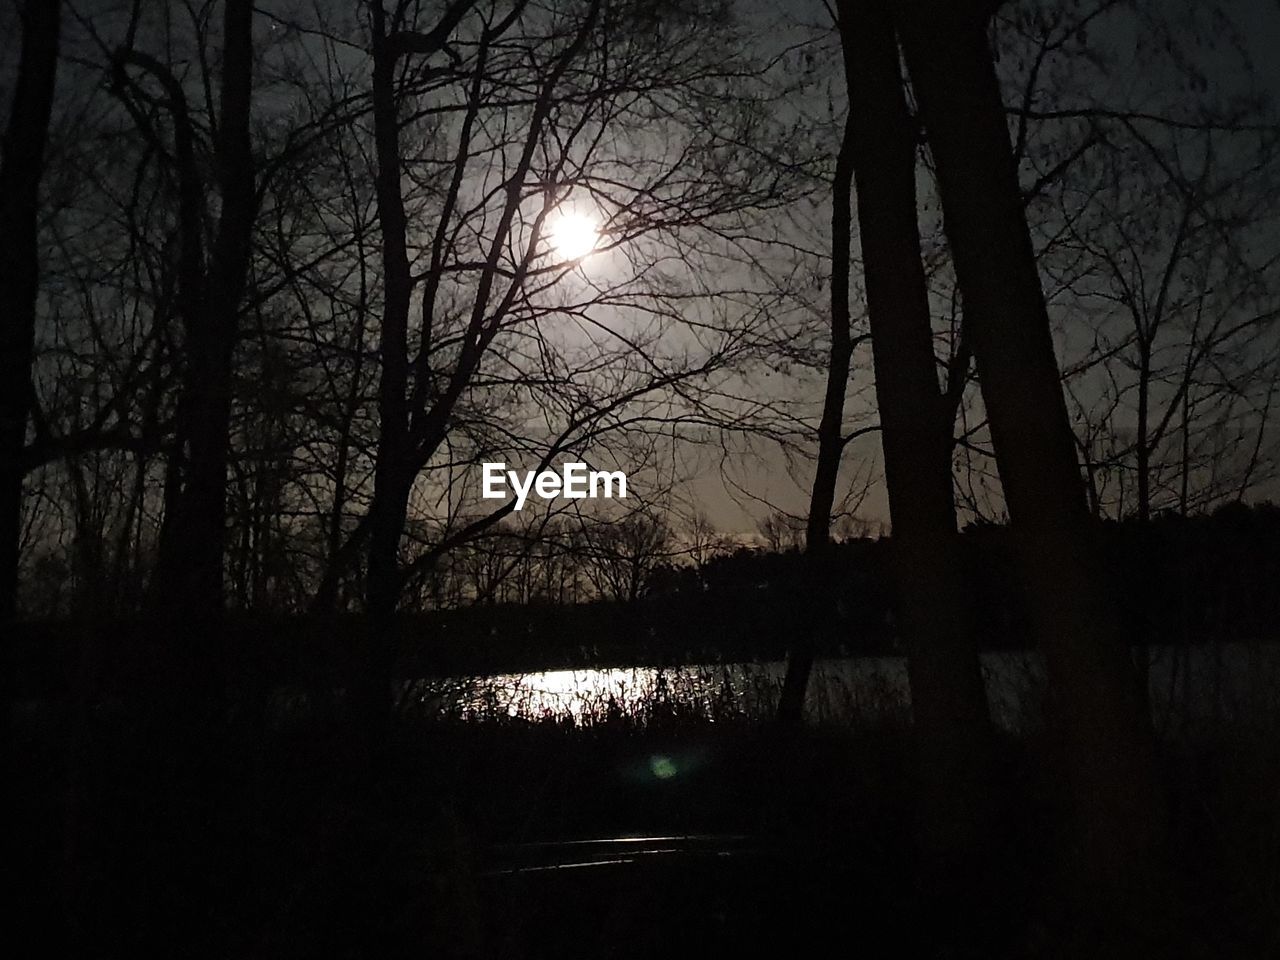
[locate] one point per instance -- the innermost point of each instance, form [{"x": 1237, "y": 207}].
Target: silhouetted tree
[
  {"x": 1107, "y": 738},
  {"x": 781, "y": 531},
  {"x": 831, "y": 438},
  {"x": 189, "y": 572},
  {"x": 623, "y": 554},
  {"x": 947, "y": 694},
  {"x": 703, "y": 542},
  {"x": 21, "y": 170}
]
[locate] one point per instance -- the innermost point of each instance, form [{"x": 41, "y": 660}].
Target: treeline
[{"x": 1173, "y": 580}]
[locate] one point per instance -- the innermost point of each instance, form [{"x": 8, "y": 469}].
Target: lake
[{"x": 1193, "y": 688}]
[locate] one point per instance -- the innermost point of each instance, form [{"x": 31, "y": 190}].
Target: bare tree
[
  {"x": 703, "y": 542},
  {"x": 21, "y": 171},
  {"x": 623, "y": 553},
  {"x": 1109, "y": 748},
  {"x": 1174, "y": 266},
  {"x": 947, "y": 694},
  {"x": 782, "y": 532},
  {"x": 189, "y": 574}
]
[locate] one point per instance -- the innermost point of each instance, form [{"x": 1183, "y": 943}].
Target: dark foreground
[{"x": 245, "y": 840}]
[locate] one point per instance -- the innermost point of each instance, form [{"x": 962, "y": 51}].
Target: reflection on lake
[{"x": 1191, "y": 687}]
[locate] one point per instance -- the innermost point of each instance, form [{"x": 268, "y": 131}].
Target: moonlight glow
[{"x": 574, "y": 236}]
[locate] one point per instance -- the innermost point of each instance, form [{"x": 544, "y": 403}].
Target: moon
[{"x": 574, "y": 236}]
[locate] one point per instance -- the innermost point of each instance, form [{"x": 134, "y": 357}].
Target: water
[{"x": 1193, "y": 688}]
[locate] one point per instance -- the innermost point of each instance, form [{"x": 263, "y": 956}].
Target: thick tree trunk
[
  {"x": 1106, "y": 738},
  {"x": 20, "y": 175},
  {"x": 190, "y": 573},
  {"x": 947, "y": 693}
]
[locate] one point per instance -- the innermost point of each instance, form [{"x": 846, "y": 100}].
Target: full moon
[{"x": 574, "y": 236}]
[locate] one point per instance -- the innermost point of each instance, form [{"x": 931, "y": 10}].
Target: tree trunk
[
  {"x": 1141, "y": 642},
  {"x": 947, "y": 693},
  {"x": 390, "y": 489},
  {"x": 1108, "y": 744},
  {"x": 382, "y": 597},
  {"x": 1144, "y": 433},
  {"x": 20, "y": 175},
  {"x": 190, "y": 571},
  {"x": 830, "y": 440}
]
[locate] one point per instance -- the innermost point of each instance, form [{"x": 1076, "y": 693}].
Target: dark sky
[{"x": 1258, "y": 22}]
